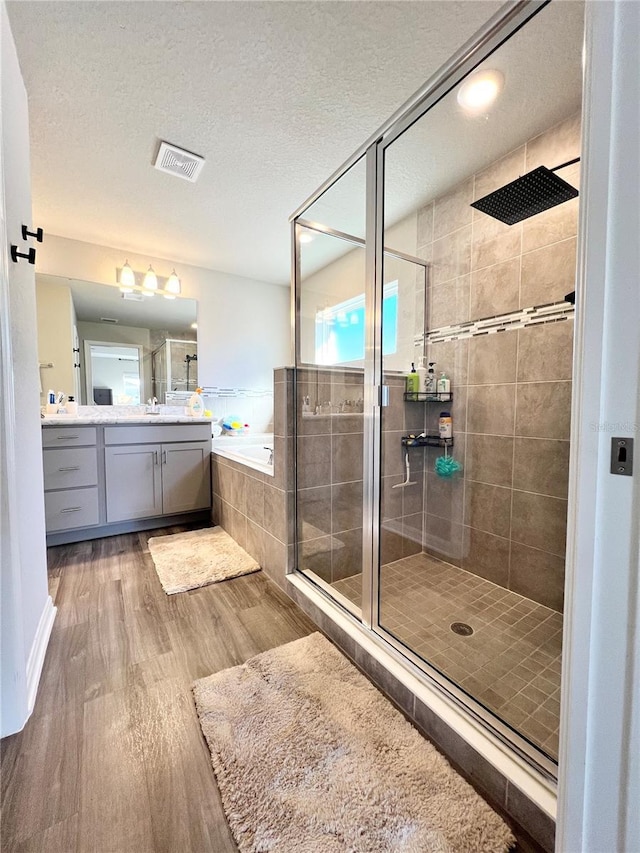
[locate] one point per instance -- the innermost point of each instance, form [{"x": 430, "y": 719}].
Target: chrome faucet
[{"x": 270, "y": 449}]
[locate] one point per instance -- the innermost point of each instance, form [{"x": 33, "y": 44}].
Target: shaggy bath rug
[
  {"x": 197, "y": 558},
  {"x": 311, "y": 758}
]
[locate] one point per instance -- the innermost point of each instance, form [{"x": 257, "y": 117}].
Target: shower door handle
[{"x": 383, "y": 395}]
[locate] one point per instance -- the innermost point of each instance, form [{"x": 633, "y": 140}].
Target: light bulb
[
  {"x": 150, "y": 279},
  {"x": 168, "y": 296},
  {"x": 173, "y": 284},
  {"x": 127, "y": 277},
  {"x": 480, "y": 90}
]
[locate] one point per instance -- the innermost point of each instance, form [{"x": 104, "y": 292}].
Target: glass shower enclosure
[{"x": 437, "y": 516}]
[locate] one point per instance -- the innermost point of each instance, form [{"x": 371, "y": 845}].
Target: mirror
[{"x": 107, "y": 348}]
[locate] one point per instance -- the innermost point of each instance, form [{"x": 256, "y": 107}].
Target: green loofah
[{"x": 447, "y": 466}]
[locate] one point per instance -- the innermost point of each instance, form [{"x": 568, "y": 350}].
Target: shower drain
[{"x": 461, "y": 628}]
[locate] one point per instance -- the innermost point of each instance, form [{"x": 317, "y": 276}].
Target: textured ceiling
[{"x": 274, "y": 95}]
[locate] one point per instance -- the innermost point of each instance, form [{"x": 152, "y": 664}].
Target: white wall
[
  {"x": 599, "y": 778},
  {"x": 244, "y": 328},
  {"x": 27, "y": 610},
  {"x": 55, "y": 337}
]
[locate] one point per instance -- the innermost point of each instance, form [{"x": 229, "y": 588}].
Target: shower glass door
[
  {"x": 332, "y": 319},
  {"x": 474, "y": 469},
  {"x": 438, "y": 514}
]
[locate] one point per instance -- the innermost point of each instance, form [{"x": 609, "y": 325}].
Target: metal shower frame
[{"x": 504, "y": 24}]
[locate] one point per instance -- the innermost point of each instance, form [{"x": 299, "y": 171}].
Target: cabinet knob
[
  {"x": 38, "y": 233},
  {"x": 16, "y": 255}
]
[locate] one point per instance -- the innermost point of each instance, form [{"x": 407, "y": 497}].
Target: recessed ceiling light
[
  {"x": 480, "y": 90},
  {"x": 306, "y": 237}
]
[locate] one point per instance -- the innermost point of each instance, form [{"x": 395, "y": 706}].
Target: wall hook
[
  {"x": 38, "y": 233},
  {"x": 16, "y": 255}
]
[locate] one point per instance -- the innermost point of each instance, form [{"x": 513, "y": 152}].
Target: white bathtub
[{"x": 253, "y": 450}]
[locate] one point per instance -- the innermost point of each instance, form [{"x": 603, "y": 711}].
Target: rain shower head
[{"x": 526, "y": 196}]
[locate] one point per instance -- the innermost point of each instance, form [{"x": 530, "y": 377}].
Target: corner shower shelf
[
  {"x": 433, "y": 440},
  {"x": 425, "y": 397}
]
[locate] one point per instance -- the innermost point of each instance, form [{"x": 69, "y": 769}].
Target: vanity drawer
[
  {"x": 68, "y": 436},
  {"x": 67, "y": 467},
  {"x": 71, "y": 508},
  {"x": 157, "y": 433}
]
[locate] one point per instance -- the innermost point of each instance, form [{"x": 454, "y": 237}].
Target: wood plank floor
[{"x": 112, "y": 759}]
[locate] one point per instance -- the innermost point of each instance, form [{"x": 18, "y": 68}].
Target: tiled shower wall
[
  {"x": 505, "y": 518},
  {"x": 329, "y": 471}
]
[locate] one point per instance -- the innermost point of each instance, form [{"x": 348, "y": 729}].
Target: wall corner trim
[{"x": 37, "y": 653}]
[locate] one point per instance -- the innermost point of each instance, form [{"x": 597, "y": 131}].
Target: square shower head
[{"x": 526, "y": 196}]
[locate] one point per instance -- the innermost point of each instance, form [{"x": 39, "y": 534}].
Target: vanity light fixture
[
  {"x": 127, "y": 278},
  {"x": 173, "y": 285},
  {"x": 480, "y": 90},
  {"x": 150, "y": 279}
]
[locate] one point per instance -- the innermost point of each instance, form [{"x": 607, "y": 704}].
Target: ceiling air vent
[
  {"x": 111, "y": 320},
  {"x": 177, "y": 161}
]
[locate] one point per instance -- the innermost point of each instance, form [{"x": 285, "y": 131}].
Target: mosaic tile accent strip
[
  {"x": 511, "y": 662},
  {"x": 555, "y": 312}
]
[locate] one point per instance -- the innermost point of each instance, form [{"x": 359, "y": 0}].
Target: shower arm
[{"x": 564, "y": 165}]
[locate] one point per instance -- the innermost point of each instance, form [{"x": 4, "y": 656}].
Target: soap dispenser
[
  {"x": 430, "y": 386},
  {"x": 412, "y": 386},
  {"x": 422, "y": 376}
]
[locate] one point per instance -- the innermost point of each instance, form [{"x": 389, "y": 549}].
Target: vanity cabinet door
[
  {"x": 133, "y": 481},
  {"x": 186, "y": 476}
]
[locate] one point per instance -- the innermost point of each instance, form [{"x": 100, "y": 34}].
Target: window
[{"x": 340, "y": 328}]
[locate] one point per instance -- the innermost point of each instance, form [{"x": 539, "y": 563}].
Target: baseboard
[{"x": 38, "y": 651}]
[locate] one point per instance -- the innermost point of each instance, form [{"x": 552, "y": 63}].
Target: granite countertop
[
  {"x": 123, "y": 415},
  {"x": 69, "y": 420}
]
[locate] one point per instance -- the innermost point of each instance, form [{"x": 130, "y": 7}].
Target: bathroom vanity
[{"x": 124, "y": 474}]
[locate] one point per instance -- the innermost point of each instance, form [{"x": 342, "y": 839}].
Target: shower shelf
[
  {"x": 425, "y": 397},
  {"x": 426, "y": 441}
]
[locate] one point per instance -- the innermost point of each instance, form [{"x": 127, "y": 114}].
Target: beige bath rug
[
  {"x": 197, "y": 558},
  {"x": 311, "y": 758}
]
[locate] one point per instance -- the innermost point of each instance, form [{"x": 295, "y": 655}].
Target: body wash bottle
[{"x": 411, "y": 385}]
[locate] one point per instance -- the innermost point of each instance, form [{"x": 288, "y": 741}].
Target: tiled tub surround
[{"x": 255, "y": 508}]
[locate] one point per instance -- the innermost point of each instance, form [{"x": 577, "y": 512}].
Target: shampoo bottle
[{"x": 444, "y": 387}]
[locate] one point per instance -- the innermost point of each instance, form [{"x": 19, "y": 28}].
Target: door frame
[{"x": 88, "y": 367}]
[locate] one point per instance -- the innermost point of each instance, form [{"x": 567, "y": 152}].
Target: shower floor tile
[{"x": 511, "y": 662}]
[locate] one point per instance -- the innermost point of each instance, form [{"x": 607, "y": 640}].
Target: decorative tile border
[
  {"x": 216, "y": 391},
  {"x": 555, "y": 312}
]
